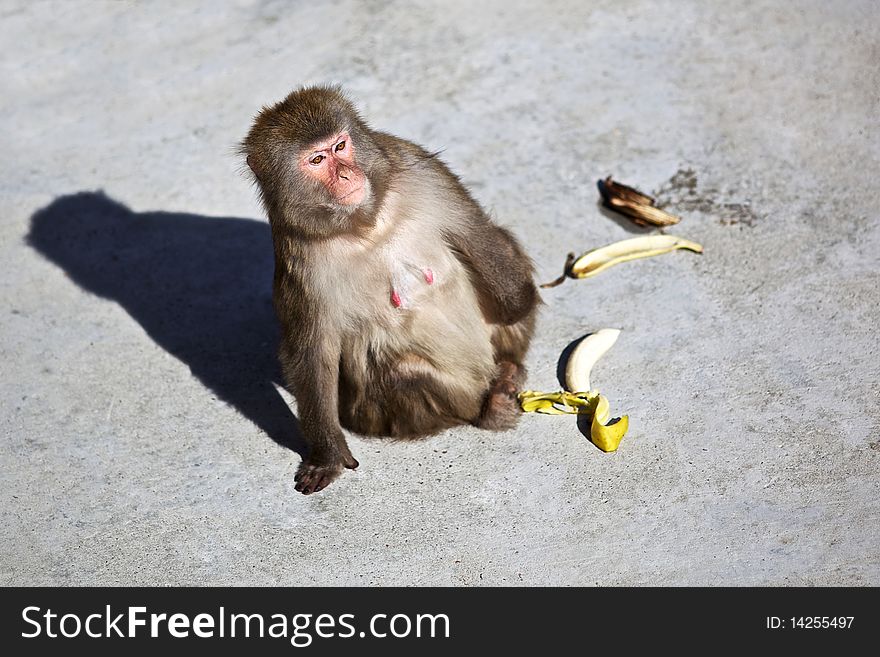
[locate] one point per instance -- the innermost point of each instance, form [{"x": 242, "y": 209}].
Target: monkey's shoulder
[
  {"x": 418, "y": 164},
  {"x": 401, "y": 151}
]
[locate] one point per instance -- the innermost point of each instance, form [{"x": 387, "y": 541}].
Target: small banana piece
[
  {"x": 585, "y": 354},
  {"x": 598, "y": 260}
]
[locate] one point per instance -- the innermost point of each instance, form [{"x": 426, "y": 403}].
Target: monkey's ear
[{"x": 254, "y": 165}]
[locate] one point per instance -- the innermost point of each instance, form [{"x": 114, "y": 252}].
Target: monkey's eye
[
  {"x": 317, "y": 160},
  {"x": 340, "y": 146}
]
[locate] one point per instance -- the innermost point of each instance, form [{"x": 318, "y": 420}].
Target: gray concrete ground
[{"x": 145, "y": 443}]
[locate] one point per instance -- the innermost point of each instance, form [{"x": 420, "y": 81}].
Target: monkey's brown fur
[{"x": 402, "y": 315}]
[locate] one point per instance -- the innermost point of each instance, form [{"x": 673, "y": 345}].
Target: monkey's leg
[
  {"x": 424, "y": 405},
  {"x": 511, "y": 342},
  {"x": 501, "y": 409},
  {"x": 413, "y": 399}
]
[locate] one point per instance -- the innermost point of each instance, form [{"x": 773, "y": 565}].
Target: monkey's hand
[{"x": 317, "y": 472}]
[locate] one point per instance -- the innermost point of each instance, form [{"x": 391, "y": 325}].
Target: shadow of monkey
[{"x": 200, "y": 286}]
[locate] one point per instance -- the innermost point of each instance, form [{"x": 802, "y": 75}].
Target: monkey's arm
[
  {"x": 310, "y": 363},
  {"x": 500, "y": 270}
]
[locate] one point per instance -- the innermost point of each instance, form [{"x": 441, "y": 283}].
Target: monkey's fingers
[{"x": 313, "y": 478}]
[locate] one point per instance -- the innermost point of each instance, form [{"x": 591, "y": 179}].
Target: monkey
[{"x": 404, "y": 308}]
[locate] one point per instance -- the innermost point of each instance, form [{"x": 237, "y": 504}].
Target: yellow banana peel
[
  {"x": 559, "y": 403},
  {"x": 597, "y": 260},
  {"x": 605, "y": 432}
]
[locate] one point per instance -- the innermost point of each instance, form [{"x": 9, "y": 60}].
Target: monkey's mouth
[{"x": 342, "y": 199}]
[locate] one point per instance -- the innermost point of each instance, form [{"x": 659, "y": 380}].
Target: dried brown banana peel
[{"x": 634, "y": 204}]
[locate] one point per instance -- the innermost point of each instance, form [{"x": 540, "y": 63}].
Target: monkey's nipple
[
  {"x": 429, "y": 276},
  {"x": 396, "y": 301}
]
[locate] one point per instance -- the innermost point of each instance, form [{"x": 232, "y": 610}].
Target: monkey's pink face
[{"x": 332, "y": 163}]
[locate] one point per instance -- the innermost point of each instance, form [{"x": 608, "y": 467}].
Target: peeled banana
[
  {"x": 588, "y": 351},
  {"x": 597, "y": 260}
]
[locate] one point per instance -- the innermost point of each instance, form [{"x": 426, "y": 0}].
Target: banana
[
  {"x": 585, "y": 354},
  {"x": 598, "y": 260},
  {"x": 605, "y": 433}
]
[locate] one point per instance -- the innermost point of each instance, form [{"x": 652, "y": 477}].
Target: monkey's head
[{"x": 316, "y": 163}]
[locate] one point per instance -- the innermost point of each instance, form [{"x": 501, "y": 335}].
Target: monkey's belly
[{"x": 429, "y": 374}]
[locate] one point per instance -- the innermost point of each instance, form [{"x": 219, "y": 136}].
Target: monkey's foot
[
  {"x": 501, "y": 409},
  {"x": 312, "y": 477}
]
